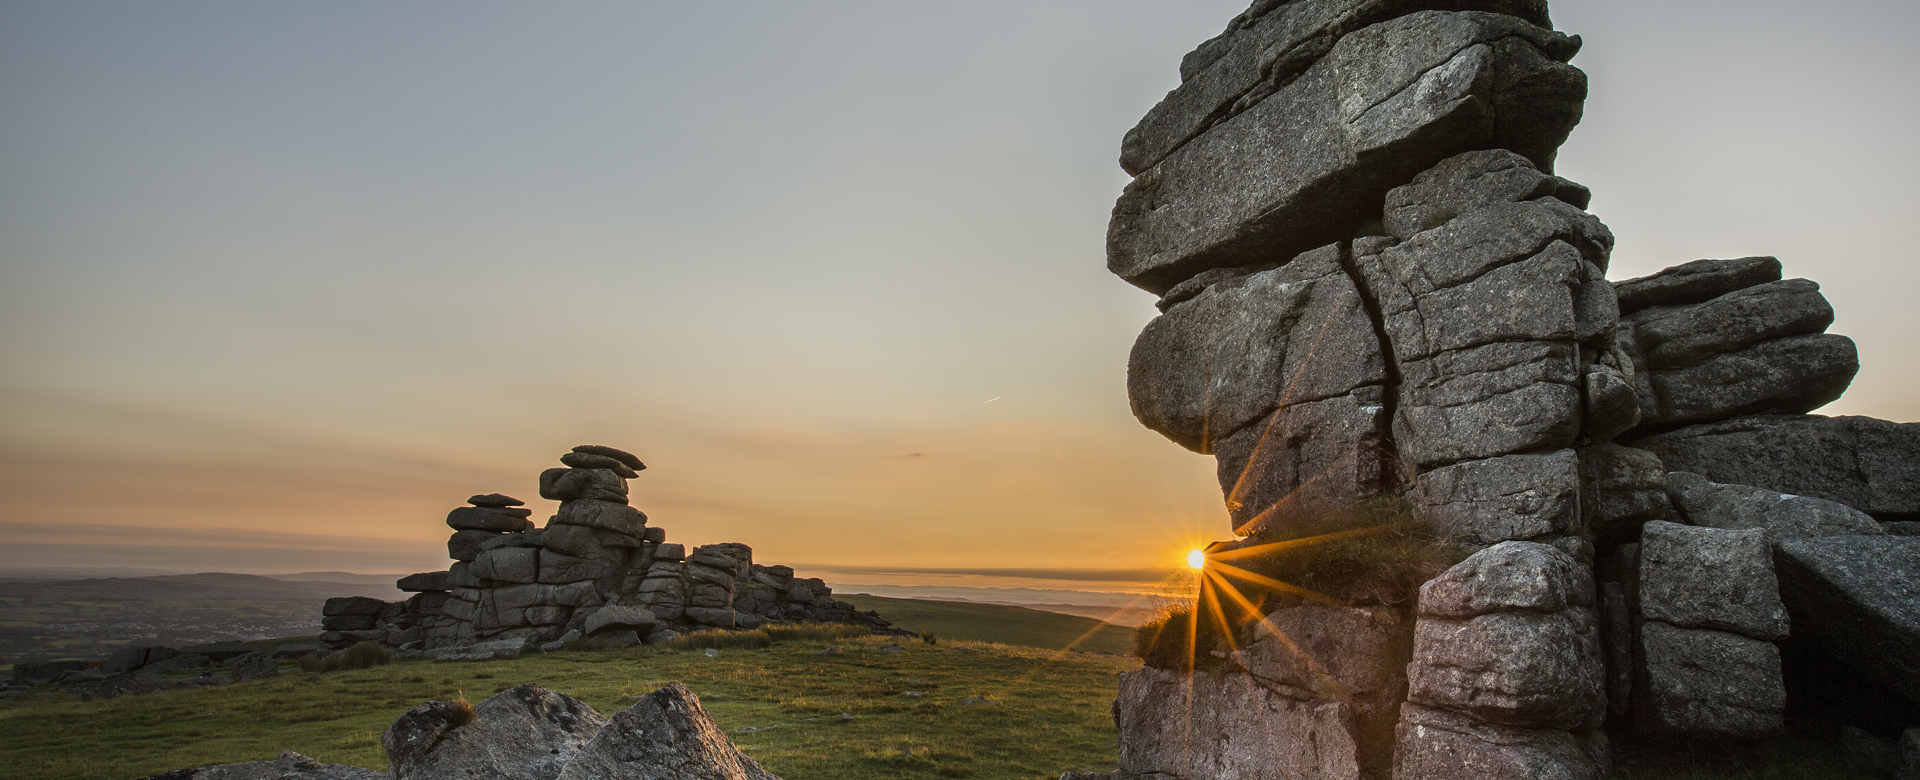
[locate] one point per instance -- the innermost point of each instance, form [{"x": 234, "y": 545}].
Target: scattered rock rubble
[
  {"x": 531, "y": 733},
  {"x": 1374, "y": 289},
  {"x": 595, "y": 570},
  {"x": 147, "y": 668}
]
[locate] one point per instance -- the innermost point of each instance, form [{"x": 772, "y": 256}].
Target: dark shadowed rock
[
  {"x": 587, "y": 460},
  {"x": 1470, "y": 182},
  {"x": 1868, "y": 464},
  {"x": 352, "y": 605},
  {"x": 465, "y": 545},
  {"x": 289, "y": 766},
  {"x": 1304, "y": 458},
  {"x": 1435, "y": 744},
  {"x": 618, "y": 618},
  {"x": 623, "y": 456},
  {"x": 1706, "y": 503},
  {"x": 508, "y": 564},
  {"x": 1623, "y": 488},
  {"x": 1506, "y": 498},
  {"x": 495, "y": 500},
  {"x": 1860, "y": 597},
  {"x": 424, "y": 581},
  {"x": 1696, "y": 282},
  {"x": 125, "y": 659},
  {"x": 1678, "y": 336},
  {"x": 1304, "y": 167},
  {"x": 1909, "y": 755},
  {"x": 1693, "y": 577},
  {"x": 570, "y": 484},
  {"x": 497, "y": 519},
  {"x": 605, "y": 515},
  {"x": 1783, "y": 376},
  {"x": 666, "y": 735},
  {"x": 523, "y": 733},
  {"x": 1711, "y": 684}
]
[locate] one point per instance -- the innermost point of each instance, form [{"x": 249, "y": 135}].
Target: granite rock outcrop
[{"x": 1387, "y": 319}]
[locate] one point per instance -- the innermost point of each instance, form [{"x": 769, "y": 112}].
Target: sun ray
[
  {"x": 1258, "y": 579},
  {"x": 1274, "y": 547},
  {"x": 1313, "y": 666}
]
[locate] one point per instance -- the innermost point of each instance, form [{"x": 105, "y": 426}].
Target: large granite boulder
[
  {"x": 1704, "y": 502},
  {"x": 1859, "y": 596},
  {"x": 1711, "y": 578},
  {"x": 1263, "y": 48},
  {"x": 523, "y": 733},
  {"x": 1304, "y": 166},
  {"x": 666, "y": 735},
  {"x": 1507, "y": 674},
  {"x": 1868, "y": 464},
  {"x": 1209, "y": 724},
  {"x": 1707, "y": 684}
]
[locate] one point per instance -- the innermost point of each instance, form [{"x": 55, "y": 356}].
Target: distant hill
[
  {"x": 1002, "y": 623},
  {"x": 211, "y": 586},
  {"x": 341, "y": 576}
]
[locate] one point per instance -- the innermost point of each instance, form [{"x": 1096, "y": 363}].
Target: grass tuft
[{"x": 364, "y": 655}]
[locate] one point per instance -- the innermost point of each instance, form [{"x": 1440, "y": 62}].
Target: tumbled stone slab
[
  {"x": 1500, "y": 499},
  {"x": 1244, "y": 346},
  {"x": 1784, "y": 376},
  {"x": 1692, "y": 577},
  {"x": 1509, "y": 577},
  {"x": 1305, "y": 166},
  {"x": 1868, "y": 464},
  {"x": 1696, "y": 282},
  {"x": 1712, "y": 504},
  {"x": 1860, "y": 597},
  {"x": 1711, "y": 684},
  {"x": 1267, "y": 46},
  {"x": 1469, "y": 182},
  {"x": 1678, "y": 336},
  {"x": 1435, "y": 744},
  {"x": 1228, "y": 725}
]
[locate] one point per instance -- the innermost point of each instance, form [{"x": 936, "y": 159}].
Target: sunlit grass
[{"x": 1049, "y": 710}]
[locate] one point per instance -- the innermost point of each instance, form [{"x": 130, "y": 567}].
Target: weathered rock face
[
  {"x": 1307, "y": 164},
  {"x": 1868, "y": 464},
  {"x": 1382, "y": 313},
  {"x": 1507, "y": 668},
  {"x": 1860, "y": 597},
  {"x": 523, "y": 733},
  {"x": 666, "y": 735},
  {"x": 1707, "y": 503}
]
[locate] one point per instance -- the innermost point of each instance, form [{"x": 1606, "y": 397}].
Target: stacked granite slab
[
  {"x": 1375, "y": 292},
  {"x": 595, "y": 569}
]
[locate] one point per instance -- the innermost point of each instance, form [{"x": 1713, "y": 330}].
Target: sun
[{"x": 1196, "y": 559}]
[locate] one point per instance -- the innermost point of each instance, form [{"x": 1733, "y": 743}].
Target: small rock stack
[
  {"x": 596, "y": 569},
  {"x": 1375, "y": 293}
]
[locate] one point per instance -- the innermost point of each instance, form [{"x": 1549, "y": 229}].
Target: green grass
[
  {"x": 999, "y": 623},
  {"x": 1052, "y": 711}
]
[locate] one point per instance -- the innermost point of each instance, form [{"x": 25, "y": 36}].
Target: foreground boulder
[
  {"x": 289, "y": 766},
  {"x": 666, "y": 735},
  {"x": 523, "y": 733}
]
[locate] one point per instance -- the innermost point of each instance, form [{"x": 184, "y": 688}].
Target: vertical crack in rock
[{"x": 1389, "y": 453}]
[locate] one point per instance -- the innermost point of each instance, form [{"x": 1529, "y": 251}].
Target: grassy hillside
[
  {"x": 863, "y": 712},
  {"x": 999, "y": 623}
]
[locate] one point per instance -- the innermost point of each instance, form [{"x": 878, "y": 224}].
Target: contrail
[{"x": 991, "y": 400}]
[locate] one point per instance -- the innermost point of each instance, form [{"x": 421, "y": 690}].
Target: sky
[{"x": 282, "y": 283}]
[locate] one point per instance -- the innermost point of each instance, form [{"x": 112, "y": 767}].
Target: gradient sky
[{"x": 281, "y": 283}]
